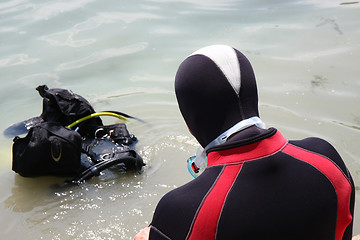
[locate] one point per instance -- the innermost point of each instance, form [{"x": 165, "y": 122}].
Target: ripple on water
[{"x": 102, "y": 55}]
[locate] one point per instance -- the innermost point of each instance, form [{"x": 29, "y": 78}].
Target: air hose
[{"x": 96, "y": 115}]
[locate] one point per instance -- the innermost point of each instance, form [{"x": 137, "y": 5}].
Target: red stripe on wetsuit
[
  {"x": 336, "y": 177},
  {"x": 210, "y": 209},
  {"x": 261, "y": 149}
]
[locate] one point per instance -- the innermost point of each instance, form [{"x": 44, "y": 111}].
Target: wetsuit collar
[
  {"x": 198, "y": 163},
  {"x": 257, "y": 150},
  {"x": 236, "y": 128}
]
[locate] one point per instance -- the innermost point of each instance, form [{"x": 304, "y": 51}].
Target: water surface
[{"x": 123, "y": 55}]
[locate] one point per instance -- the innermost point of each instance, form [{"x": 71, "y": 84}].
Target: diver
[{"x": 256, "y": 183}]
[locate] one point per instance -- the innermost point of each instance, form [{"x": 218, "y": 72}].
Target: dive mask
[{"x": 197, "y": 164}]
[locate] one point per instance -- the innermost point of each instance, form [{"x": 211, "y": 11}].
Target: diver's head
[{"x": 215, "y": 88}]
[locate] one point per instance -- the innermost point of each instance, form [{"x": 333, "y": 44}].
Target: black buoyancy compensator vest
[{"x": 51, "y": 147}]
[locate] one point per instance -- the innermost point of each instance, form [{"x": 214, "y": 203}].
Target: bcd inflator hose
[{"x": 96, "y": 115}]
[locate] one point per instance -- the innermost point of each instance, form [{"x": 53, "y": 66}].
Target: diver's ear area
[
  {"x": 206, "y": 99},
  {"x": 215, "y": 88}
]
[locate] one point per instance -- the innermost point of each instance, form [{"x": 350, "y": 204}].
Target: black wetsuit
[
  {"x": 262, "y": 187},
  {"x": 257, "y": 185}
]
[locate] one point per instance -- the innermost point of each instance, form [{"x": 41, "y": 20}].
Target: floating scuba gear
[
  {"x": 95, "y": 115},
  {"x": 22, "y": 127},
  {"x": 48, "y": 149},
  {"x": 69, "y": 139},
  {"x": 64, "y": 106},
  {"x": 197, "y": 164}
]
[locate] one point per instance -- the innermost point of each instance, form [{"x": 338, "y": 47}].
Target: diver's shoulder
[
  {"x": 315, "y": 144},
  {"x": 174, "y": 197},
  {"x": 321, "y": 147}
]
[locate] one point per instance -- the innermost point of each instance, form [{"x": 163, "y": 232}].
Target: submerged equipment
[
  {"x": 69, "y": 139},
  {"x": 197, "y": 164}
]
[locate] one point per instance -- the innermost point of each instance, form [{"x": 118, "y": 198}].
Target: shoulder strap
[{"x": 130, "y": 160}]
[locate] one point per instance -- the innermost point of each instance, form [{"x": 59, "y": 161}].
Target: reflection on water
[
  {"x": 18, "y": 59},
  {"x": 30, "y": 189},
  {"x": 123, "y": 56},
  {"x": 100, "y": 56}
]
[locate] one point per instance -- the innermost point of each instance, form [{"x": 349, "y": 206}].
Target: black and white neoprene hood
[{"x": 215, "y": 88}]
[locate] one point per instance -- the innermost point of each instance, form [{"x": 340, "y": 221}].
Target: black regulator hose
[{"x": 129, "y": 162}]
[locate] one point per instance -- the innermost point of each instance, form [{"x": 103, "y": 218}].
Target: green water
[{"x": 123, "y": 55}]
